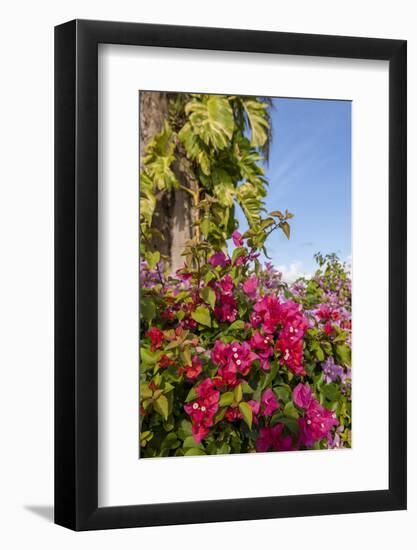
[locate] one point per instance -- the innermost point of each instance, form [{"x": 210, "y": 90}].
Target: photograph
[{"x": 245, "y": 274}]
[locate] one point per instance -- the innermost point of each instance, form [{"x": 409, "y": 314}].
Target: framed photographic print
[{"x": 230, "y": 275}]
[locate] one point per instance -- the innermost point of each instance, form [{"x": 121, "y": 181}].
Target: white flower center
[
  {"x": 235, "y": 355},
  {"x": 291, "y": 329},
  {"x": 203, "y": 409},
  {"x": 195, "y": 406},
  {"x": 238, "y": 362},
  {"x": 234, "y": 349},
  {"x": 309, "y": 422},
  {"x": 265, "y": 341},
  {"x": 322, "y": 425}
]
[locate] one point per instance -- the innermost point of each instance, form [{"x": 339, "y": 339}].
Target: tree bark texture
[{"x": 172, "y": 216}]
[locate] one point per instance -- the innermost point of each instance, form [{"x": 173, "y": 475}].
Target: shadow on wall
[{"x": 45, "y": 512}]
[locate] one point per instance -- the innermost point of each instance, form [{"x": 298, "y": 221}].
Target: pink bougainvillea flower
[
  {"x": 328, "y": 329},
  {"x": 292, "y": 355},
  {"x": 226, "y": 308},
  {"x": 273, "y": 438},
  {"x": 242, "y": 356},
  {"x": 335, "y": 315},
  {"x": 250, "y": 286},
  {"x": 233, "y": 413},
  {"x": 199, "y": 432},
  {"x": 218, "y": 355},
  {"x": 237, "y": 238},
  {"x": 324, "y": 312},
  {"x": 165, "y": 361},
  {"x": 218, "y": 258},
  {"x": 226, "y": 284},
  {"x": 269, "y": 402},
  {"x": 232, "y": 359},
  {"x": 183, "y": 275},
  {"x": 194, "y": 370},
  {"x": 203, "y": 409},
  {"x": 316, "y": 424},
  {"x": 302, "y": 396},
  {"x": 156, "y": 337},
  {"x": 268, "y": 309},
  {"x": 263, "y": 345},
  {"x": 255, "y": 406},
  {"x": 241, "y": 260},
  {"x": 168, "y": 315}
]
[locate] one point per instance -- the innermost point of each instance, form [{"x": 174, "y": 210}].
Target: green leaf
[
  {"x": 258, "y": 119},
  {"x": 192, "y": 394},
  {"x": 190, "y": 443},
  {"x": 152, "y": 258},
  {"x": 208, "y": 296},
  {"x": 223, "y": 187},
  {"x": 205, "y": 226},
  {"x": 211, "y": 118},
  {"x": 343, "y": 354},
  {"x": 238, "y": 393},
  {"x": 246, "y": 411},
  {"x": 145, "y": 391},
  {"x": 194, "y": 451},
  {"x": 185, "y": 429},
  {"x": 285, "y": 226},
  {"x": 238, "y": 252},
  {"x": 219, "y": 415},
  {"x": 282, "y": 393},
  {"x": 158, "y": 160},
  {"x": 202, "y": 315},
  {"x": 161, "y": 406},
  {"x": 148, "y": 309},
  {"x": 149, "y": 357},
  {"x": 290, "y": 410},
  {"x": 246, "y": 388},
  {"x": 145, "y": 437},
  {"x": 170, "y": 442},
  {"x": 290, "y": 422},
  {"x": 237, "y": 325},
  {"x": 226, "y": 399},
  {"x": 224, "y": 449},
  {"x": 331, "y": 391},
  {"x": 319, "y": 353}
]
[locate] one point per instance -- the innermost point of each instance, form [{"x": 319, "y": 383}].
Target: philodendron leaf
[
  {"x": 246, "y": 411},
  {"x": 211, "y": 118},
  {"x": 202, "y": 316}
]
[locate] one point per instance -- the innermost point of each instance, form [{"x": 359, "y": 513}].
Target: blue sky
[{"x": 309, "y": 172}]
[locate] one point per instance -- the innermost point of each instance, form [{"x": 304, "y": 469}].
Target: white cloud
[{"x": 293, "y": 271}]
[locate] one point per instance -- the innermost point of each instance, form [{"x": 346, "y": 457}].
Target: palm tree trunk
[{"x": 172, "y": 216}]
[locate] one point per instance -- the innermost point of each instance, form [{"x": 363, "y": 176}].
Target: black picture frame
[{"x": 76, "y": 272}]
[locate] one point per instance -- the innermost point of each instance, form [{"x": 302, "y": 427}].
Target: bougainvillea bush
[{"x": 235, "y": 360}]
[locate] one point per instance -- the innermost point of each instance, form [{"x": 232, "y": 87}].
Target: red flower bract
[
  {"x": 156, "y": 337},
  {"x": 203, "y": 409},
  {"x": 273, "y": 438}
]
